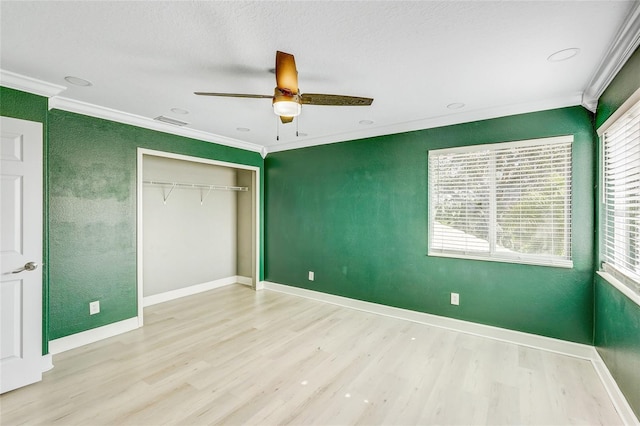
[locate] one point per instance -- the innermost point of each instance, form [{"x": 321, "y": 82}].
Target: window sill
[
  {"x": 567, "y": 264},
  {"x": 620, "y": 286}
]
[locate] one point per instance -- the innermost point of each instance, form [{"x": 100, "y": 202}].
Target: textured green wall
[
  {"x": 617, "y": 318},
  {"x": 626, "y": 82},
  {"x": 26, "y": 106},
  {"x": 618, "y": 339},
  {"x": 92, "y": 198},
  {"x": 355, "y": 213}
]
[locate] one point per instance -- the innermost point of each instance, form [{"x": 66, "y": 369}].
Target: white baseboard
[
  {"x": 46, "y": 363},
  {"x": 90, "y": 336},
  {"x": 617, "y": 397},
  {"x": 244, "y": 280},
  {"x": 496, "y": 333},
  {"x": 563, "y": 347},
  {"x": 194, "y": 289}
]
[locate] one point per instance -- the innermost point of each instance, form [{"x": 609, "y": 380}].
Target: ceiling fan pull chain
[
  {"x": 277, "y": 129},
  {"x": 297, "y": 121}
]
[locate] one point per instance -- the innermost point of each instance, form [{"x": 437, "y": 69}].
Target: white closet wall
[{"x": 187, "y": 242}]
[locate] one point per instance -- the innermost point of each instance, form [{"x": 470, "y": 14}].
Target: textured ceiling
[{"x": 414, "y": 58}]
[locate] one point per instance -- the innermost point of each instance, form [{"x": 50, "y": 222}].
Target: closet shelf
[{"x": 200, "y": 186}]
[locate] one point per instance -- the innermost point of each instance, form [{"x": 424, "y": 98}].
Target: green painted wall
[
  {"x": 617, "y": 318},
  {"x": 620, "y": 89},
  {"x": 618, "y": 339},
  {"x": 355, "y": 213},
  {"x": 92, "y": 199},
  {"x": 26, "y": 106}
]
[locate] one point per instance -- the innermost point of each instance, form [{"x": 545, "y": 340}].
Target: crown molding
[
  {"x": 97, "y": 111},
  {"x": 31, "y": 85},
  {"x": 433, "y": 122},
  {"x": 623, "y": 46}
]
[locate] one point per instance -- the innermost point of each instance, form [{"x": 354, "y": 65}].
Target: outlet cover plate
[
  {"x": 455, "y": 299},
  {"x": 94, "y": 307},
  {"x": 312, "y": 275}
]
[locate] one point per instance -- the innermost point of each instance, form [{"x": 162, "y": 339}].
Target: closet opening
[{"x": 197, "y": 226}]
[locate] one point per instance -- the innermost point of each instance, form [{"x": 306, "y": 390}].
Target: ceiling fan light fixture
[
  {"x": 287, "y": 108},
  {"x": 286, "y": 103}
]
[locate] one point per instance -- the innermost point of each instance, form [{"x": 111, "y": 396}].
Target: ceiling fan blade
[
  {"x": 286, "y": 119},
  {"x": 335, "y": 100},
  {"x": 286, "y": 72},
  {"x": 234, "y": 95}
]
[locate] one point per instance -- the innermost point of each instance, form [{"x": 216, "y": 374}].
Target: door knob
[{"x": 29, "y": 266}]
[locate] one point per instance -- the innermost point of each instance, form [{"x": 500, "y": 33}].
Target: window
[
  {"x": 621, "y": 198},
  {"x": 507, "y": 202}
]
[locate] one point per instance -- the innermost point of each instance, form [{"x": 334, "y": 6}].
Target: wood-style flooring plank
[{"x": 233, "y": 356}]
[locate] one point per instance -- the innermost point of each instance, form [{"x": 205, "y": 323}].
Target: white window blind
[
  {"x": 507, "y": 202},
  {"x": 621, "y": 198}
]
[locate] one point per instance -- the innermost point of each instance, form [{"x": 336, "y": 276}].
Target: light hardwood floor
[{"x": 233, "y": 356}]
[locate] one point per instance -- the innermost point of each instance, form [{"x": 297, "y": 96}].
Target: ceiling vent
[{"x": 170, "y": 120}]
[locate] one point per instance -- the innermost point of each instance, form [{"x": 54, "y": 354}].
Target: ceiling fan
[{"x": 287, "y": 99}]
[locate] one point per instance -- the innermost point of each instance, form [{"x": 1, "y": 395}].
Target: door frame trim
[{"x": 139, "y": 215}]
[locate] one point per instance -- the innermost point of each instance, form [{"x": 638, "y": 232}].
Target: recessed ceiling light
[
  {"x": 366, "y": 122},
  {"x": 455, "y": 105},
  {"x": 179, "y": 111},
  {"x": 563, "y": 55},
  {"x": 243, "y": 129},
  {"x": 77, "y": 81}
]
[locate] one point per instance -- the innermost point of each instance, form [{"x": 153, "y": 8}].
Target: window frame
[
  {"x": 495, "y": 256},
  {"x": 612, "y": 271}
]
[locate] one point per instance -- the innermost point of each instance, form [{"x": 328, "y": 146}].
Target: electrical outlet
[
  {"x": 455, "y": 298},
  {"x": 94, "y": 307},
  {"x": 312, "y": 276}
]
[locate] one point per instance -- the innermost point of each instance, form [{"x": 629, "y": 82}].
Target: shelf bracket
[
  {"x": 205, "y": 197},
  {"x": 166, "y": 197}
]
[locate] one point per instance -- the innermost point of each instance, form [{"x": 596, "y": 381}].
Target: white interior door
[{"x": 20, "y": 253}]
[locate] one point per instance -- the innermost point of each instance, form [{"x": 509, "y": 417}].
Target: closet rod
[{"x": 197, "y": 186}]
